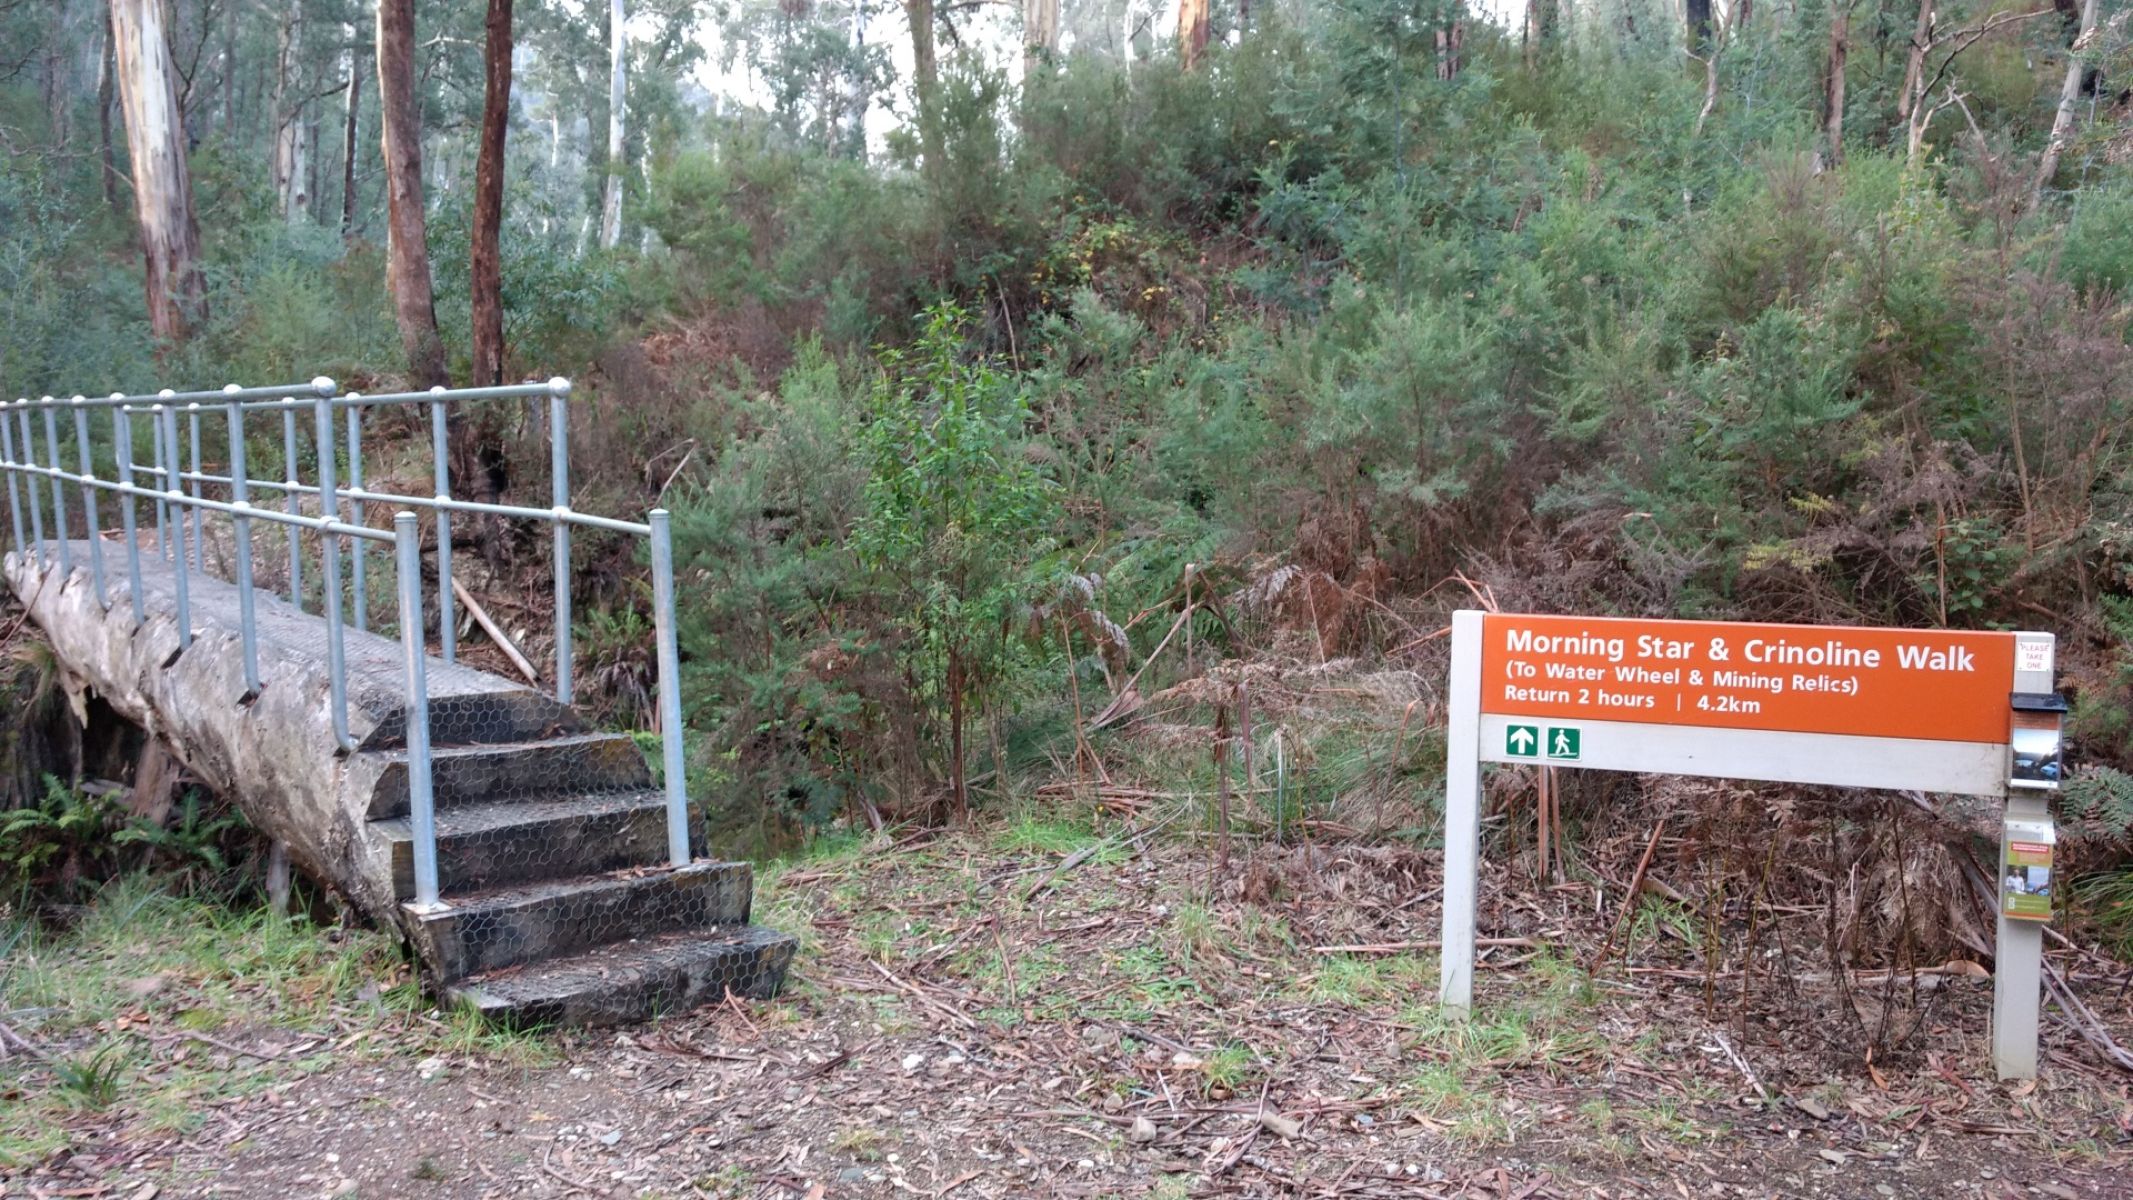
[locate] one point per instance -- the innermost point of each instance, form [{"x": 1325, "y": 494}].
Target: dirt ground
[{"x": 1046, "y": 1011}]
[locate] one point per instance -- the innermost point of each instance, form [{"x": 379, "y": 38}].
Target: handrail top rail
[
  {"x": 557, "y": 386},
  {"x": 359, "y": 495},
  {"x": 320, "y": 386},
  {"x": 288, "y": 396},
  {"x": 180, "y": 499}
]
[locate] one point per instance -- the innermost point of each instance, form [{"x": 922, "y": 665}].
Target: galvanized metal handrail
[{"x": 330, "y": 439}]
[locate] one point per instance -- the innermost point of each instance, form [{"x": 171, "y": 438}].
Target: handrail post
[
  {"x": 358, "y": 547},
  {"x": 330, "y": 561},
  {"x": 291, "y": 504},
  {"x": 129, "y": 513},
  {"x": 422, "y": 816},
  {"x": 670, "y": 730},
  {"x": 241, "y": 540},
  {"x": 167, "y": 416},
  {"x": 192, "y": 413},
  {"x": 14, "y": 485},
  {"x": 29, "y": 459},
  {"x": 59, "y": 492},
  {"x": 95, "y": 531},
  {"x": 166, "y": 462},
  {"x": 559, "y": 497},
  {"x": 441, "y": 469}
]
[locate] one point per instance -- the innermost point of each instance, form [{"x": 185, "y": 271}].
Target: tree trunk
[
  {"x": 856, "y": 132},
  {"x": 1040, "y": 34},
  {"x": 957, "y": 781},
  {"x": 487, "y": 269},
  {"x": 162, "y": 180},
  {"x": 1840, "y": 45},
  {"x": 1451, "y": 42},
  {"x": 1543, "y": 20},
  {"x": 1698, "y": 13},
  {"x": 617, "y": 93},
  {"x": 1192, "y": 32},
  {"x": 1914, "y": 65},
  {"x": 925, "y": 82},
  {"x": 106, "y": 97},
  {"x": 229, "y": 71},
  {"x": 58, "y": 93},
  {"x": 1710, "y": 92},
  {"x": 348, "y": 143},
  {"x": 2069, "y": 104},
  {"x": 313, "y": 156},
  {"x": 408, "y": 248},
  {"x": 291, "y": 142}
]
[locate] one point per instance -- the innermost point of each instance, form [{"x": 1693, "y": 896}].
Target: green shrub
[{"x": 954, "y": 528}]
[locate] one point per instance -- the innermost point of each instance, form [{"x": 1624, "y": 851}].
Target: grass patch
[
  {"x": 1356, "y": 981},
  {"x": 1193, "y": 930},
  {"x": 861, "y": 1142},
  {"x": 1050, "y": 832},
  {"x": 92, "y": 1079},
  {"x": 1229, "y": 1068},
  {"x": 1150, "y": 982},
  {"x": 1466, "y": 1103},
  {"x": 138, "y": 947},
  {"x": 140, "y": 958},
  {"x": 1546, "y": 1029}
]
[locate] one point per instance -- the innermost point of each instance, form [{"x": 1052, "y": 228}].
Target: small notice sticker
[
  {"x": 2033, "y": 654},
  {"x": 2026, "y": 881}
]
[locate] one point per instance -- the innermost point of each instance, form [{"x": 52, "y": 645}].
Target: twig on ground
[
  {"x": 2085, "y": 1021},
  {"x": 1120, "y": 706},
  {"x": 1629, "y": 898},
  {"x": 496, "y": 633},
  {"x": 588, "y": 1189},
  {"x": 1424, "y": 944},
  {"x": 9, "y": 1037},
  {"x": 227, "y": 1047},
  {"x": 1741, "y": 1064}
]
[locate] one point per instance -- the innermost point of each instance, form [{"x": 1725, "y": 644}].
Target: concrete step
[
  {"x": 577, "y": 764},
  {"x": 508, "y": 926},
  {"x": 469, "y": 718},
  {"x": 634, "y": 980},
  {"x": 483, "y": 846}
]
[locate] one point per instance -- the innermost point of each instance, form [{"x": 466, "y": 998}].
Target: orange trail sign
[
  {"x": 1934, "y": 710},
  {"x": 1928, "y": 684}
]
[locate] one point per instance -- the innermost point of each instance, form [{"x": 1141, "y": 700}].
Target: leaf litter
[{"x": 1138, "y": 1025}]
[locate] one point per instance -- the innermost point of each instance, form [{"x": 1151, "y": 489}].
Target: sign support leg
[
  {"x": 2018, "y": 959},
  {"x": 2018, "y": 944},
  {"x": 1462, "y": 816}
]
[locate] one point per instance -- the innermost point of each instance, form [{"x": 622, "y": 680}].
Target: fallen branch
[
  {"x": 2085, "y": 1021},
  {"x": 496, "y": 634},
  {"x": 1128, "y": 698},
  {"x": 194, "y": 1035},
  {"x": 1428, "y": 944},
  {"x": 1629, "y": 899},
  {"x": 9, "y": 1036},
  {"x": 573, "y": 1184},
  {"x": 1067, "y": 864},
  {"x": 1741, "y": 1064},
  {"x": 959, "y": 1017}
]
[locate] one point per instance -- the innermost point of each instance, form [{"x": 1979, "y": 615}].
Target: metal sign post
[{"x": 1929, "y": 710}]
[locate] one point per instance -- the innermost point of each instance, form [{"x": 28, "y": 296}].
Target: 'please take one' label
[{"x": 1938, "y": 685}]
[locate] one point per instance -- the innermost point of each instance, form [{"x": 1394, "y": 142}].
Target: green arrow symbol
[{"x": 1521, "y": 739}]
